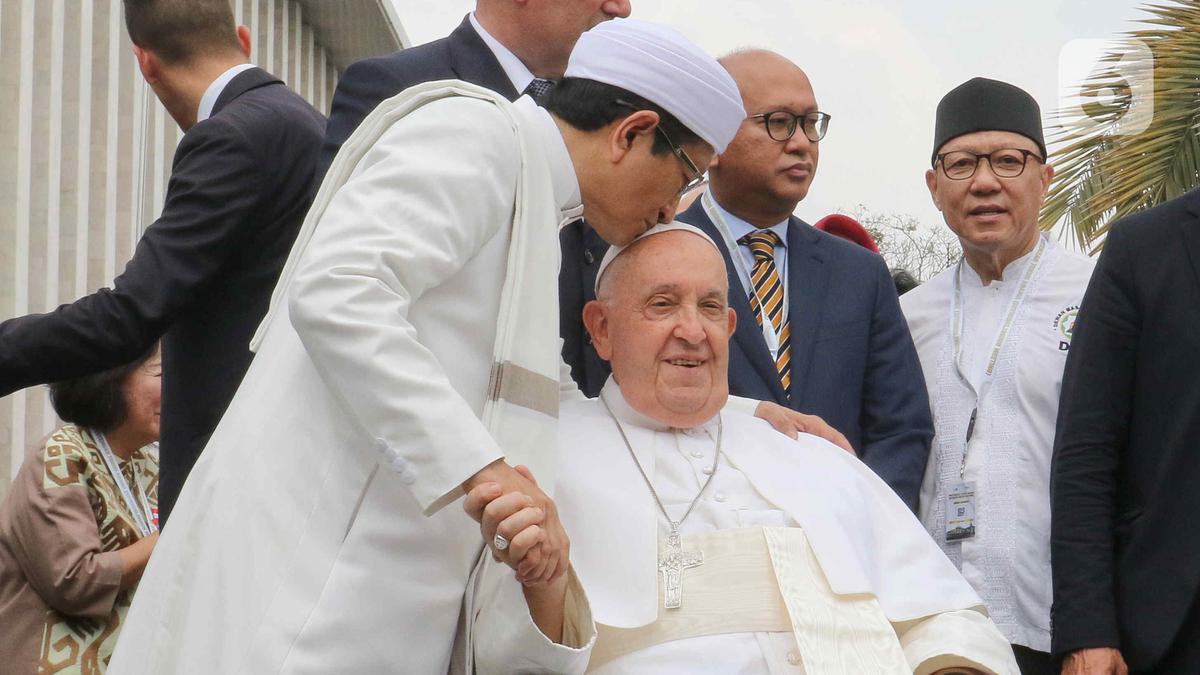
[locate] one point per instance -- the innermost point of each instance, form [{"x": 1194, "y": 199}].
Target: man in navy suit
[
  {"x": 830, "y": 339},
  {"x": 507, "y": 46},
  {"x": 202, "y": 275}
]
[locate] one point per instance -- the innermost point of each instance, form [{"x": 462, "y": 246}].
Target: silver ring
[{"x": 499, "y": 542}]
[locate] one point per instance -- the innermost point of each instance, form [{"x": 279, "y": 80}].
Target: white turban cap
[
  {"x": 662, "y": 66},
  {"x": 675, "y": 226}
]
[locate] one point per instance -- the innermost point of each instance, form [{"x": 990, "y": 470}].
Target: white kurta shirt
[
  {"x": 762, "y": 479},
  {"x": 301, "y": 541},
  {"x": 1008, "y": 560}
]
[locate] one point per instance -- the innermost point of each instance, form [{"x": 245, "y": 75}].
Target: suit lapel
[
  {"x": 748, "y": 336},
  {"x": 473, "y": 61},
  {"x": 807, "y": 281},
  {"x": 243, "y": 82},
  {"x": 1189, "y": 231}
]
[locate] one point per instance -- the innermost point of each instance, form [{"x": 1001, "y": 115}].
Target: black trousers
[{"x": 1033, "y": 662}]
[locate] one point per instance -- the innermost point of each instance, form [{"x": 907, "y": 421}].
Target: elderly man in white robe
[
  {"x": 707, "y": 542},
  {"x": 411, "y": 351},
  {"x": 992, "y": 333}
]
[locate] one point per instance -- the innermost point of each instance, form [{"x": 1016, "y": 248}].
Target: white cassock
[
  {"x": 811, "y": 563},
  {"x": 1008, "y": 559},
  {"x": 310, "y": 536}
]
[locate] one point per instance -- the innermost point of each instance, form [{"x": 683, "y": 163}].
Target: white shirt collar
[
  {"x": 612, "y": 395},
  {"x": 740, "y": 228},
  {"x": 1013, "y": 270},
  {"x": 562, "y": 170},
  {"x": 517, "y": 73},
  {"x": 209, "y": 99}
]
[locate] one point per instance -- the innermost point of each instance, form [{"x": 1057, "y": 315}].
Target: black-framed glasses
[
  {"x": 697, "y": 175},
  {"x": 1005, "y": 162},
  {"x": 781, "y": 124}
]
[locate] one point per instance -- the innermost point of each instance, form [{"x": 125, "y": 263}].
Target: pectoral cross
[{"x": 672, "y": 561}]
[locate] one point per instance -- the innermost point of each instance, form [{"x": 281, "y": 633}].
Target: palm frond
[{"x": 1103, "y": 172}]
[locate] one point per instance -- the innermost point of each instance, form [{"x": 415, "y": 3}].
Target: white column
[
  {"x": 255, "y": 49},
  {"x": 83, "y": 167},
  {"x": 270, "y": 46},
  {"x": 285, "y": 43},
  {"x": 23, "y": 214}
]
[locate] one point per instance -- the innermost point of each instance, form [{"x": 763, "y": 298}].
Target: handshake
[{"x": 519, "y": 522}]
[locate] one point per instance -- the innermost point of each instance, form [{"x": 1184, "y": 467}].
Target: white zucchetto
[
  {"x": 661, "y": 65},
  {"x": 674, "y": 226}
]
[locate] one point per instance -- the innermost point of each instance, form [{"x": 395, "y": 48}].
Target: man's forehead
[{"x": 987, "y": 141}]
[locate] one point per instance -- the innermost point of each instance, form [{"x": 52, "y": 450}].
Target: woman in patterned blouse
[{"x": 79, "y": 523}]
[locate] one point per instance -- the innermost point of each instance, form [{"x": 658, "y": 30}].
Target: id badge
[{"x": 960, "y": 511}]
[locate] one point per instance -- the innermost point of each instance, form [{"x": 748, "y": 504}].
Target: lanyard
[
  {"x": 735, "y": 254},
  {"x": 140, "y": 508},
  {"x": 956, "y": 312}
]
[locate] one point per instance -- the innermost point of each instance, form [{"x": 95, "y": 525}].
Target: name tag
[{"x": 960, "y": 511}]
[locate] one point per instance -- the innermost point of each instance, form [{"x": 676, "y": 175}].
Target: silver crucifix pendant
[{"x": 671, "y": 562}]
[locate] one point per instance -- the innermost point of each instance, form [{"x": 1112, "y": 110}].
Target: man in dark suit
[
  {"x": 1125, "y": 540},
  {"x": 202, "y": 274},
  {"x": 831, "y": 340},
  {"x": 507, "y": 46}
]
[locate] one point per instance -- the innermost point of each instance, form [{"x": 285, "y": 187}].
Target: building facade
[{"x": 86, "y": 148}]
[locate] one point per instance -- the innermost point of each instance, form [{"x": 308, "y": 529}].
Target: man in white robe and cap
[
  {"x": 411, "y": 351},
  {"x": 707, "y": 542},
  {"x": 992, "y": 333}
]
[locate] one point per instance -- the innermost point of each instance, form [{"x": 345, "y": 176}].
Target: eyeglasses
[
  {"x": 1005, "y": 162},
  {"x": 697, "y": 175},
  {"x": 781, "y": 124}
]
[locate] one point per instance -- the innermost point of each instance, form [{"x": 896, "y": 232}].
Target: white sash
[{"x": 522, "y": 399}]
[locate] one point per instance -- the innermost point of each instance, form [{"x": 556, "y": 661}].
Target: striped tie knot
[
  {"x": 761, "y": 243},
  {"x": 767, "y": 298}
]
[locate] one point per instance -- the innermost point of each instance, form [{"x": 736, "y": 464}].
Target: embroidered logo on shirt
[{"x": 1064, "y": 323}]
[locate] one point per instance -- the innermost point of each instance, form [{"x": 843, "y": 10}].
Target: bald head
[
  {"x": 762, "y": 176},
  {"x": 759, "y": 69}
]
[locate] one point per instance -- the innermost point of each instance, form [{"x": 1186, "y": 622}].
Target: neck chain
[{"x": 673, "y": 524}]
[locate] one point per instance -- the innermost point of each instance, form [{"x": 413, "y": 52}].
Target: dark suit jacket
[
  {"x": 462, "y": 55},
  {"x": 1125, "y": 537},
  {"x": 853, "y": 361},
  {"x": 582, "y": 251},
  {"x": 201, "y": 276}
]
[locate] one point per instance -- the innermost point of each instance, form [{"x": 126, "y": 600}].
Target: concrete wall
[{"x": 86, "y": 150}]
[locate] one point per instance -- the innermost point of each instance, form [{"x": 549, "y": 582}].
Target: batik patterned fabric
[{"x": 61, "y": 528}]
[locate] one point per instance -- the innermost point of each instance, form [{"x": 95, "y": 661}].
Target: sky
[{"x": 878, "y": 67}]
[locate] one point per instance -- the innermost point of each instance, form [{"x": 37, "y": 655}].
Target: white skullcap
[
  {"x": 662, "y": 66},
  {"x": 674, "y": 226}
]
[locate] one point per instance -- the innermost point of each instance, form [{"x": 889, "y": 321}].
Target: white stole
[{"x": 523, "y": 393}]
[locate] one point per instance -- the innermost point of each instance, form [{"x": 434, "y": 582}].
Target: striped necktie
[{"x": 768, "y": 288}]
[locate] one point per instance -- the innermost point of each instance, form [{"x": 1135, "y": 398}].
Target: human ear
[
  {"x": 626, "y": 131},
  {"x": 595, "y": 320},
  {"x": 243, "y": 35},
  {"x": 147, "y": 63},
  {"x": 931, "y": 183}
]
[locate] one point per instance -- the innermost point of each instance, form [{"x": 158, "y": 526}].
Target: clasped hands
[{"x": 507, "y": 501}]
